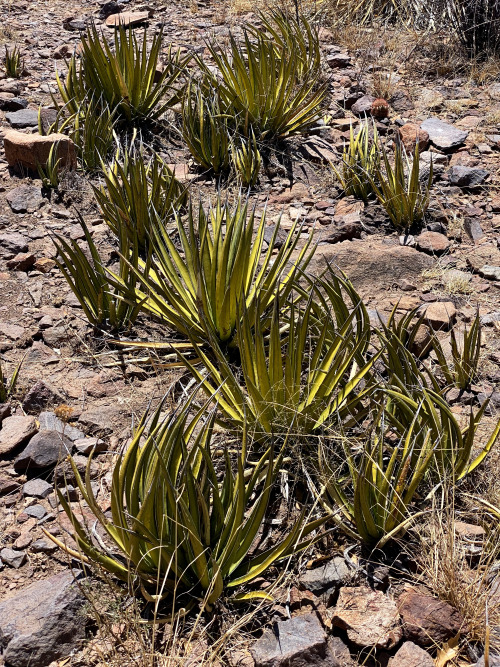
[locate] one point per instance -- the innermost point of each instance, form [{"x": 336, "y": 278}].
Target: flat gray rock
[
  {"x": 13, "y": 104},
  {"x": 25, "y": 199},
  {"x": 42, "y": 623},
  {"x": 49, "y": 422},
  {"x": 44, "y": 450},
  {"x": 29, "y": 118},
  {"x": 467, "y": 177},
  {"x": 38, "y": 488},
  {"x": 443, "y": 135},
  {"x": 332, "y": 574},
  {"x": 12, "y": 558},
  {"x": 490, "y": 272},
  {"x": 299, "y": 641},
  {"x": 23, "y": 118},
  {"x": 12, "y": 243}
]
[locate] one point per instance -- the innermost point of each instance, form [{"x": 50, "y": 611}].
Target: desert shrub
[{"x": 477, "y": 24}]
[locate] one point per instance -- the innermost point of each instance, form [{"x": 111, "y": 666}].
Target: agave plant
[
  {"x": 369, "y": 494},
  {"x": 400, "y": 191},
  {"x": 198, "y": 293},
  {"x": 247, "y": 160},
  {"x": 93, "y": 134},
  {"x": 296, "y": 377},
  {"x": 124, "y": 77},
  {"x": 398, "y": 339},
  {"x": 7, "y": 388},
  {"x": 291, "y": 34},
  {"x": 462, "y": 371},
  {"x": 183, "y": 525},
  {"x": 360, "y": 162},
  {"x": 136, "y": 194},
  {"x": 414, "y": 438},
  {"x": 50, "y": 173},
  {"x": 205, "y": 128},
  {"x": 13, "y": 61},
  {"x": 261, "y": 88},
  {"x": 89, "y": 281},
  {"x": 92, "y": 130},
  {"x": 456, "y": 451}
]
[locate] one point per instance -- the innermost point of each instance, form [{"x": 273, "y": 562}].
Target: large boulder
[
  {"x": 371, "y": 264},
  {"x": 32, "y": 150},
  {"x": 43, "y": 622}
]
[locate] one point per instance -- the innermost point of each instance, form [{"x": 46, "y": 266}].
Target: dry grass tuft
[{"x": 462, "y": 572}]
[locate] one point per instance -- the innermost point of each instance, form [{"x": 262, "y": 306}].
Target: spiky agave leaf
[
  {"x": 247, "y": 159},
  {"x": 360, "y": 161},
  {"x": 89, "y": 281},
  {"x": 399, "y": 190},
  {"x": 290, "y": 34},
  {"x": 375, "y": 487},
  {"x": 462, "y": 370},
  {"x": 206, "y": 128}
]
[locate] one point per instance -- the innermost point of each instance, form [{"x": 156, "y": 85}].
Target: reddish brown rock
[
  {"x": 411, "y": 655},
  {"x": 44, "y": 264},
  {"x": 370, "y": 617},
  {"x": 433, "y": 243},
  {"x": 440, "y": 315},
  {"x": 127, "y": 19},
  {"x": 21, "y": 262},
  {"x": 16, "y": 431},
  {"x": 410, "y": 133},
  {"x": 63, "y": 51},
  {"x": 32, "y": 150},
  {"x": 428, "y": 621}
]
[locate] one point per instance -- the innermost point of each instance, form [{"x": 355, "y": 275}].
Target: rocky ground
[{"x": 76, "y": 390}]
